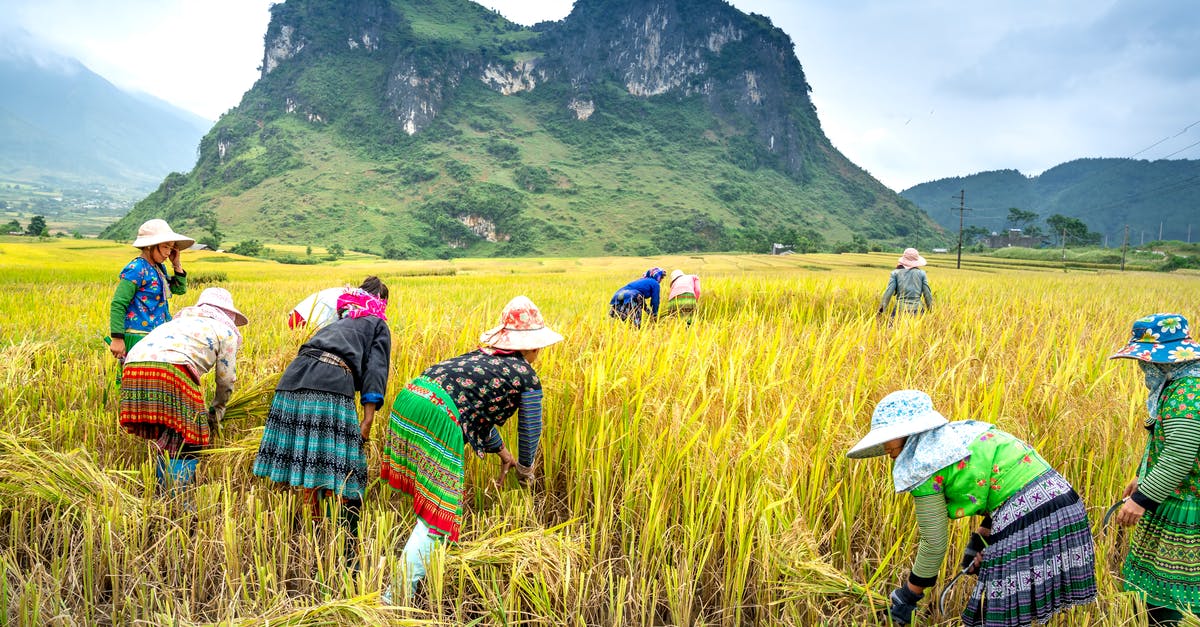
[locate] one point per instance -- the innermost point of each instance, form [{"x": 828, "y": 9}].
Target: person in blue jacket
[{"x": 631, "y": 301}]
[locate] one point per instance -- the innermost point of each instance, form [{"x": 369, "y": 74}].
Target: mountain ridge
[{"x": 438, "y": 128}]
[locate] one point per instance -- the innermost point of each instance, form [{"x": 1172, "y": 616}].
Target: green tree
[
  {"x": 973, "y": 234},
  {"x": 249, "y": 248},
  {"x": 336, "y": 250},
  {"x": 1074, "y": 229},
  {"x": 1021, "y": 219},
  {"x": 13, "y": 227},
  {"x": 37, "y": 227}
]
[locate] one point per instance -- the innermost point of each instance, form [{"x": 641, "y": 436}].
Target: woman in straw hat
[
  {"x": 631, "y": 301},
  {"x": 1163, "y": 500},
  {"x": 140, "y": 301},
  {"x": 161, "y": 396},
  {"x": 313, "y": 439},
  {"x": 909, "y": 285},
  {"x": 462, "y": 401},
  {"x": 1033, "y": 551},
  {"x": 684, "y": 295}
]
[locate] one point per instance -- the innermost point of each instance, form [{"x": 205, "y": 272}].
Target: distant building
[
  {"x": 782, "y": 249},
  {"x": 941, "y": 250},
  {"x": 1013, "y": 238}
]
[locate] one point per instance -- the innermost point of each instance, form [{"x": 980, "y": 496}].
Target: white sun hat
[
  {"x": 899, "y": 414},
  {"x": 157, "y": 231}
]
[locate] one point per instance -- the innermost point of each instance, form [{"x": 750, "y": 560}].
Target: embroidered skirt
[
  {"x": 627, "y": 305},
  {"x": 683, "y": 306},
  {"x": 313, "y": 440},
  {"x": 1164, "y": 556},
  {"x": 1040, "y": 558},
  {"x": 157, "y": 397},
  {"x": 424, "y": 455}
]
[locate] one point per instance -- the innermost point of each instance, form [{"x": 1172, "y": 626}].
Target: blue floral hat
[
  {"x": 655, "y": 273},
  {"x": 898, "y": 415},
  {"x": 1162, "y": 338}
]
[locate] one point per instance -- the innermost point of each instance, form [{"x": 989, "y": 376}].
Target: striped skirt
[
  {"x": 313, "y": 440},
  {"x": 1164, "y": 556},
  {"x": 1040, "y": 558},
  {"x": 683, "y": 306},
  {"x": 157, "y": 397},
  {"x": 424, "y": 455}
]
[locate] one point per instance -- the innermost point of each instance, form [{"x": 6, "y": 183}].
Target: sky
[{"x": 911, "y": 91}]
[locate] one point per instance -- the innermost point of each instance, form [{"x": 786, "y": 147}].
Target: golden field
[{"x": 687, "y": 475}]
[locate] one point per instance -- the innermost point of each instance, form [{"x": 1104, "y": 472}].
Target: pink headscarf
[{"x": 356, "y": 303}]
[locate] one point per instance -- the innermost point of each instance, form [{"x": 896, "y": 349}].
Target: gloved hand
[
  {"x": 904, "y": 603},
  {"x": 974, "y": 547}
]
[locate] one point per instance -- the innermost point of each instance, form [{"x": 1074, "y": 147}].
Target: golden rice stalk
[
  {"x": 30, "y": 468},
  {"x": 542, "y": 551},
  {"x": 254, "y": 401},
  {"x": 360, "y": 610}
]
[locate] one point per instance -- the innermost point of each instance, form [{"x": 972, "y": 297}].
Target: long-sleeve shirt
[
  {"x": 1172, "y": 459},
  {"x": 197, "y": 341},
  {"x": 686, "y": 284},
  {"x": 363, "y": 344},
  {"x": 646, "y": 287},
  {"x": 998, "y": 466},
  {"x": 139, "y": 303},
  {"x": 910, "y": 286},
  {"x": 487, "y": 389}
]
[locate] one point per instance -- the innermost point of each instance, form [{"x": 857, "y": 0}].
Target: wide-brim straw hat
[
  {"x": 156, "y": 231},
  {"x": 1162, "y": 338},
  {"x": 911, "y": 258},
  {"x": 220, "y": 297},
  {"x": 899, "y": 414},
  {"x": 675, "y": 274},
  {"x": 521, "y": 328}
]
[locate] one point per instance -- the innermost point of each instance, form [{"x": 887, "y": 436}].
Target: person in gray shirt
[{"x": 909, "y": 285}]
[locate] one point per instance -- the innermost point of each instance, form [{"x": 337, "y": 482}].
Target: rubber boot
[{"x": 417, "y": 552}]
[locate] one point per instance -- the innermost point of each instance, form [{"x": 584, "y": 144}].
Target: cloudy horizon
[{"x": 912, "y": 93}]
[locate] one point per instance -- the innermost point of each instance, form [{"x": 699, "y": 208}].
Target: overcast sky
[{"x": 911, "y": 91}]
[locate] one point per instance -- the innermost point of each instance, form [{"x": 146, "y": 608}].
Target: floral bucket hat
[
  {"x": 1161, "y": 338},
  {"x": 521, "y": 328},
  {"x": 899, "y": 414}
]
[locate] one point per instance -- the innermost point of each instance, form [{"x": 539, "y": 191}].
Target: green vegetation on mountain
[
  {"x": 1105, "y": 194},
  {"x": 425, "y": 128}
]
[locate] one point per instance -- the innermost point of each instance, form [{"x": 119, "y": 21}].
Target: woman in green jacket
[{"x": 1032, "y": 515}]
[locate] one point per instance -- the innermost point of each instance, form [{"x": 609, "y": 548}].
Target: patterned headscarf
[
  {"x": 357, "y": 303},
  {"x": 930, "y": 451},
  {"x": 1157, "y": 378},
  {"x": 656, "y": 273}
]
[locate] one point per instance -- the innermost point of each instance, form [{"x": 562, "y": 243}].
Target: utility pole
[
  {"x": 1160, "y": 230},
  {"x": 1189, "y": 234},
  {"x": 1143, "y": 238},
  {"x": 1124, "y": 248},
  {"x": 1064, "y": 249},
  {"x": 962, "y": 209}
]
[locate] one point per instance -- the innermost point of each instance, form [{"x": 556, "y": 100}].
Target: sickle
[
  {"x": 949, "y": 587},
  {"x": 1109, "y": 514}
]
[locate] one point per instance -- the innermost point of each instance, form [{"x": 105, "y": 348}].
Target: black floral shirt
[{"x": 487, "y": 390}]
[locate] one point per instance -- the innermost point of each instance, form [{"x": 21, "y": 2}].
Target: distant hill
[
  {"x": 61, "y": 122},
  {"x": 1106, "y": 194},
  {"x": 425, "y": 128}
]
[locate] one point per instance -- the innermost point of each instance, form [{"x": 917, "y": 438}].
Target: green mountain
[
  {"x": 62, "y": 123},
  {"x": 417, "y": 128},
  {"x": 1106, "y": 194}
]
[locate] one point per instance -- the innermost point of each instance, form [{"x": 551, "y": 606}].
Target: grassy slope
[{"x": 636, "y": 164}]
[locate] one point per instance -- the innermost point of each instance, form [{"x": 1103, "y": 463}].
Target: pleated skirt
[{"x": 313, "y": 440}]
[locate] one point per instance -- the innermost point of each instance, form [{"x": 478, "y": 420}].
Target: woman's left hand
[{"x": 1130, "y": 513}]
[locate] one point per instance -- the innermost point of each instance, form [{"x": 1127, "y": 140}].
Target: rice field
[{"x": 688, "y": 475}]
